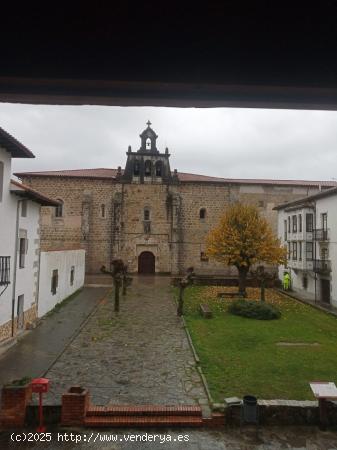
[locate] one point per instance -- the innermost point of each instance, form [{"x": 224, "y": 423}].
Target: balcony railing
[
  {"x": 322, "y": 265},
  {"x": 4, "y": 270},
  {"x": 321, "y": 234}
]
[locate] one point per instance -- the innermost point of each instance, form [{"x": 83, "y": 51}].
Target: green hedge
[{"x": 254, "y": 310}]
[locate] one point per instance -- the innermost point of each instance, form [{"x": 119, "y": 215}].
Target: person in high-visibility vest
[{"x": 286, "y": 281}]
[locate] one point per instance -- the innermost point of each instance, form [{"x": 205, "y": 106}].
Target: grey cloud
[{"x": 225, "y": 142}]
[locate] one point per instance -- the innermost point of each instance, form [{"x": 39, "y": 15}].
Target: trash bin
[{"x": 249, "y": 409}]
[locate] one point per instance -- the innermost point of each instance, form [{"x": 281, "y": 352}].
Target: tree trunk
[
  {"x": 243, "y": 271},
  {"x": 180, "y": 310},
  {"x": 117, "y": 287},
  {"x": 263, "y": 298}
]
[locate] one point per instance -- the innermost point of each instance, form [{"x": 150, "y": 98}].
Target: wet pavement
[
  {"x": 139, "y": 356},
  {"x": 37, "y": 350},
  {"x": 273, "y": 438}
]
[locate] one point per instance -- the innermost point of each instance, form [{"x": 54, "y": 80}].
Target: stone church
[{"x": 154, "y": 218}]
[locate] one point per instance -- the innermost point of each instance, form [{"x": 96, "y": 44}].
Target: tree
[
  {"x": 262, "y": 278},
  {"x": 119, "y": 275},
  {"x": 242, "y": 239},
  {"x": 183, "y": 283}
]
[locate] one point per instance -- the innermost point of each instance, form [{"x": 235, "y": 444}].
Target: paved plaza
[{"x": 139, "y": 356}]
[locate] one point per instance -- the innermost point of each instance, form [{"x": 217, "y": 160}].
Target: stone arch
[
  {"x": 146, "y": 263},
  {"x": 148, "y": 168}
]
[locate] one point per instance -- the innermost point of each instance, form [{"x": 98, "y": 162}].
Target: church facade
[{"x": 154, "y": 218}]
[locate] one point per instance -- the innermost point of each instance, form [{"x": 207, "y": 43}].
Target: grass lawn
[{"x": 239, "y": 356}]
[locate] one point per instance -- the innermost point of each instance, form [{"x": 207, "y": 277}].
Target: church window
[
  {"x": 136, "y": 169},
  {"x": 146, "y": 214},
  {"x": 103, "y": 210},
  {"x": 158, "y": 168},
  {"x": 148, "y": 168},
  {"x": 203, "y": 257},
  {"x": 202, "y": 213},
  {"x": 59, "y": 209},
  {"x": 148, "y": 144}
]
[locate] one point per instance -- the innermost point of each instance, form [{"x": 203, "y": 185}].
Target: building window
[
  {"x": 309, "y": 222},
  {"x": 285, "y": 230},
  {"x": 103, "y": 211},
  {"x": 309, "y": 251},
  {"x": 72, "y": 275},
  {"x": 294, "y": 251},
  {"x": 202, "y": 213},
  {"x": 136, "y": 169},
  {"x": 204, "y": 257},
  {"x": 20, "y": 312},
  {"x": 148, "y": 168},
  {"x": 24, "y": 208},
  {"x": 22, "y": 252},
  {"x": 146, "y": 214},
  {"x": 59, "y": 209},
  {"x": 324, "y": 220},
  {"x": 295, "y": 224},
  {"x": 289, "y": 251},
  {"x": 324, "y": 253},
  {"x": 300, "y": 223},
  {"x": 158, "y": 168},
  {"x": 54, "y": 281},
  {"x": 300, "y": 251},
  {"x": 289, "y": 224}
]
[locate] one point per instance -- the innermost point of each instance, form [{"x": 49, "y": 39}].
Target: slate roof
[{"x": 27, "y": 192}]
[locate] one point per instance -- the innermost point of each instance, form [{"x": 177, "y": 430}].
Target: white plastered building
[
  {"x": 308, "y": 229},
  {"x": 26, "y": 291}
]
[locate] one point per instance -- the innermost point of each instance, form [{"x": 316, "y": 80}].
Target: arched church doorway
[{"x": 146, "y": 263}]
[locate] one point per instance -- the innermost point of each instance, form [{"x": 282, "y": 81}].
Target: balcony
[
  {"x": 322, "y": 234},
  {"x": 4, "y": 270},
  {"x": 322, "y": 266}
]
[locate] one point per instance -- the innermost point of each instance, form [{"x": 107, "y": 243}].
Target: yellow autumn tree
[{"x": 243, "y": 238}]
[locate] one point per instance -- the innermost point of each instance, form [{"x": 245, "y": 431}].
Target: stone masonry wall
[{"x": 176, "y": 238}]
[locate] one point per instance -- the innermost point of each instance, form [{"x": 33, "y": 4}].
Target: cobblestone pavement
[
  {"x": 274, "y": 438},
  {"x": 140, "y": 356}
]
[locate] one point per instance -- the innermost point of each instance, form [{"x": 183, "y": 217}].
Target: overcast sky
[{"x": 224, "y": 142}]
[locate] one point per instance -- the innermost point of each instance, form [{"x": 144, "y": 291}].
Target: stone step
[
  {"x": 144, "y": 410},
  {"x": 143, "y": 421}
]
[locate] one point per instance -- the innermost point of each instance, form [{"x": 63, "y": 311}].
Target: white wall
[
  {"x": 62, "y": 260},
  {"x": 26, "y": 278},
  {"x": 323, "y": 205},
  {"x": 329, "y": 205}
]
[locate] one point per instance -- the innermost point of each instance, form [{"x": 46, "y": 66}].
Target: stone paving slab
[
  {"x": 139, "y": 356},
  {"x": 36, "y": 351}
]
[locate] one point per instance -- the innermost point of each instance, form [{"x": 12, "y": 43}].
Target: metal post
[{"x": 41, "y": 428}]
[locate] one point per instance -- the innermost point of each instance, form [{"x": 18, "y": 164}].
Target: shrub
[{"x": 254, "y": 310}]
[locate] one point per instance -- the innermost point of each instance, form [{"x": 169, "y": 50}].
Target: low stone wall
[
  {"x": 281, "y": 412},
  {"x": 204, "y": 280}
]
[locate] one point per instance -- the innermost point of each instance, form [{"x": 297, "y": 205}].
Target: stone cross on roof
[{"x": 148, "y": 123}]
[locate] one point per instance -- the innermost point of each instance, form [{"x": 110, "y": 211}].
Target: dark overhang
[{"x": 266, "y": 54}]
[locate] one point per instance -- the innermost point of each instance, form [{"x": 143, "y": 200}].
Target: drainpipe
[{"x": 15, "y": 262}]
